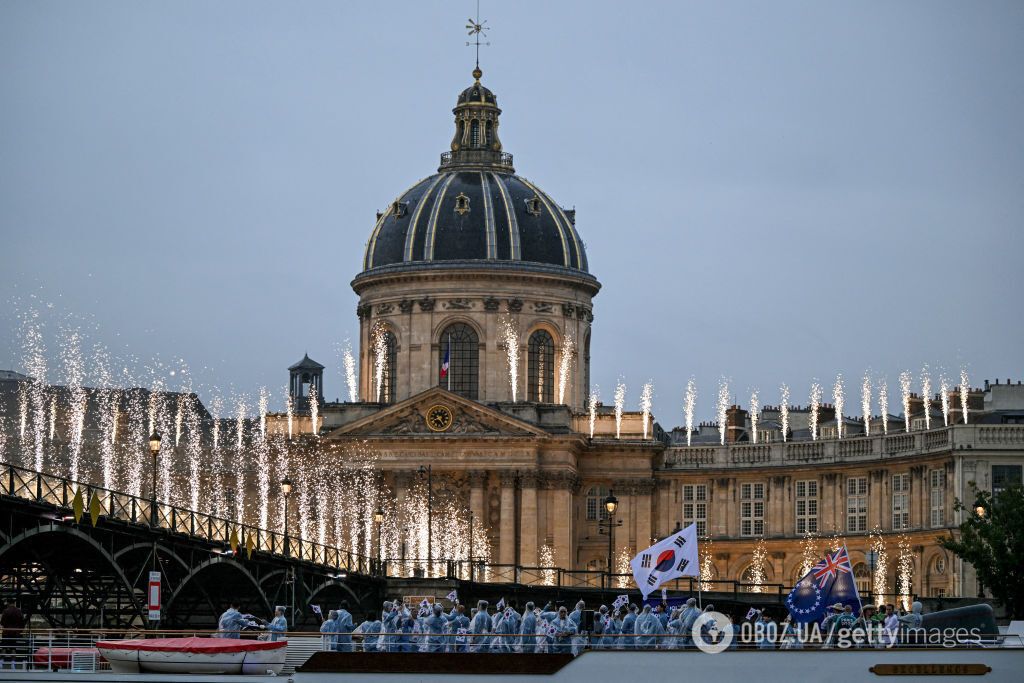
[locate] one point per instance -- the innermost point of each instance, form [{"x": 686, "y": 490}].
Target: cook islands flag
[
  {"x": 829, "y": 582},
  {"x": 666, "y": 560}
]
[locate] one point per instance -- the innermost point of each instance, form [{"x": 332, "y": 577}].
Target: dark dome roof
[
  {"x": 464, "y": 215},
  {"x": 477, "y": 93}
]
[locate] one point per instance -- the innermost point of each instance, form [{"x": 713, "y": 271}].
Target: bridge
[{"x": 75, "y": 555}]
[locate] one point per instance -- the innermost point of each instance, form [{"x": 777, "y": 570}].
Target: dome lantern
[{"x": 476, "y": 144}]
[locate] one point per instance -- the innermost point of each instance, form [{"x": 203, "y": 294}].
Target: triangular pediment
[{"x": 462, "y": 417}]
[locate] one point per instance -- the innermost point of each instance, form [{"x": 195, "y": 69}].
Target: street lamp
[
  {"x": 378, "y": 519},
  {"x": 980, "y": 510},
  {"x": 430, "y": 513},
  {"x": 286, "y": 488},
  {"x": 154, "y": 450},
  {"x": 608, "y": 526},
  {"x": 470, "y": 545}
]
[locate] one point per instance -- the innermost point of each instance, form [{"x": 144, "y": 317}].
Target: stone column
[
  {"x": 666, "y": 523},
  {"x": 561, "y": 502},
  {"x": 528, "y": 519},
  {"x": 829, "y": 483},
  {"x": 507, "y": 534},
  {"x": 730, "y": 509},
  {"x": 644, "y": 488},
  {"x": 477, "y": 480}
]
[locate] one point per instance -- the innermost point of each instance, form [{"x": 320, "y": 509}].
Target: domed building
[{"x": 460, "y": 256}]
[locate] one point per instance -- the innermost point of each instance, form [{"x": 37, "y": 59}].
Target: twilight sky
[{"x": 768, "y": 191}]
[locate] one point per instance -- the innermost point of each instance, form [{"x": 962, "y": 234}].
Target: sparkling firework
[
  {"x": 965, "y": 390},
  {"x": 350, "y": 374},
  {"x": 689, "y": 403},
  {"x": 379, "y": 338},
  {"x": 289, "y": 402},
  {"x": 944, "y": 390},
  {"x": 926, "y": 396},
  {"x": 547, "y": 559},
  {"x": 707, "y": 568},
  {"x": 756, "y": 571},
  {"x": 809, "y": 552},
  {"x": 879, "y": 578},
  {"x": 883, "y": 404},
  {"x": 74, "y": 376},
  {"x": 815, "y": 407},
  {"x": 905, "y": 396},
  {"x": 194, "y": 451},
  {"x": 314, "y": 412},
  {"x": 839, "y": 401},
  {"x": 755, "y": 410},
  {"x": 723, "y": 407},
  {"x": 905, "y": 571},
  {"x": 646, "y": 395},
  {"x": 784, "y": 410},
  {"x": 564, "y": 364},
  {"x": 510, "y": 335},
  {"x": 620, "y": 401},
  {"x": 865, "y": 402},
  {"x": 592, "y": 408},
  {"x": 35, "y": 366},
  {"x": 263, "y": 403}
]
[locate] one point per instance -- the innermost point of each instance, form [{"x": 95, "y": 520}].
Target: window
[
  {"x": 1005, "y": 476},
  {"x": 595, "y": 504},
  {"x": 474, "y": 133},
  {"x": 386, "y": 345},
  {"x": 900, "y": 502},
  {"x": 540, "y": 382},
  {"x": 533, "y": 206},
  {"x": 462, "y": 204},
  {"x": 464, "y": 360},
  {"x": 938, "y": 592},
  {"x": 937, "y": 496},
  {"x": 857, "y": 504},
  {"x": 807, "y": 506},
  {"x": 862, "y": 577},
  {"x": 751, "y": 509},
  {"x": 695, "y": 507},
  {"x": 490, "y": 133}
]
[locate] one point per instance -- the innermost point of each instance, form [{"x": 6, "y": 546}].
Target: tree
[{"x": 992, "y": 540}]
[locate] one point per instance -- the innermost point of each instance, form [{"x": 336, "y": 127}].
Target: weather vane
[{"x": 479, "y": 29}]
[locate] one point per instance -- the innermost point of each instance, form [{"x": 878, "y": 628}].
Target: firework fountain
[
  {"x": 905, "y": 397},
  {"x": 755, "y": 409},
  {"x": 839, "y": 401},
  {"x": 784, "y": 410},
  {"x": 926, "y": 396},
  {"x": 314, "y": 412},
  {"x": 707, "y": 572},
  {"x": 865, "y": 402},
  {"x": 263, "y": 462},
  {"x": 646, "y": 395},
  {"x": 944, "y": 391},
  {"x": 965, "y": 391},
  {"x": 620, "y": 401},
  {"x": 35, "y": 365},
  {"x": 350, "y": 373},
  {"x": 809, "y": 552},
  {"x": 510, "y": 335},
  {"x": 74, "y": 372},
  {"x": 723, "y": 407},
  {"x": 883, "y": 404},
  {"x": 592, "y": 408},
  {"x": 879, "y": 578},
  {"x": 815, "y": 407},
  {"x": 564, "y": 365},
  {"x": 757, "y": 563},
  {"x": 905, "y": 571},
  {"x": 379, "y": 338},
  {"x": 547, "y": 560},
  {"x": 689, "y": 402}
]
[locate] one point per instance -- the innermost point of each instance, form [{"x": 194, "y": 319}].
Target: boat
[{"x": 194, "y": 655}]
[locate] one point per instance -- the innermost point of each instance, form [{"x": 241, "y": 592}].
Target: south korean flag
[{"x": 668, "y": 559}]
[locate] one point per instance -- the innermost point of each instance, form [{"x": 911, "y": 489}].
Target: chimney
[
  {"x": 916, "y": 405},
  {"x": 735, "y": 423}
]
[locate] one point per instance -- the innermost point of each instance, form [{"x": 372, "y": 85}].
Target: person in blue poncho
[
  {"x": 343, "y": 626},
  {"x": 278, "y": 626},
  {"x": 230, "y": 623}
]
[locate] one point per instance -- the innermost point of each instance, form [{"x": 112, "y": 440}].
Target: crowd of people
[{"x": 428, "y": 627}]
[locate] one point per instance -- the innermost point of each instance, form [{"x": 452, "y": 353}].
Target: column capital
[
  {"x": 528, "y": 479},
  {"x": 403, "y": 478},
  {"x": 477, "y": 478},
  {"x": 507, "y": 477}
]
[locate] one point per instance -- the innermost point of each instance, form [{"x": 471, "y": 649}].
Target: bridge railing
[{"x": 66, "y": 495}]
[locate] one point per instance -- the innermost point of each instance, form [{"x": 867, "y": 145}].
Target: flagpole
[{"x": 449, "y": 361}]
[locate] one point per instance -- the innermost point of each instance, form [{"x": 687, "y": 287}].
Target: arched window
[
  {"x": 862, "y": 577},
  {"x": 474, "y": 133},
  {"x": 595, "y": 503},
  {"x": 463, "y": 373},
  {"x": 541, "y": 374},
  {"x": 387, "y": 346},
  {"x": 586, "y": 363},
  {"x": 490, "y": 133}
]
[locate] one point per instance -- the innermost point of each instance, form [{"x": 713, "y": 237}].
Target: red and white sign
[{"x": 154, "y": 596}]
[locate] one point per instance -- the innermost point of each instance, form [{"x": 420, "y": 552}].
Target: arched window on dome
[
  {"x": 386, "y": 345},
  {"x": 474, "y": 133},
  {"x": 540, "y": 384},
  {"x": 490, "y": 133},
  {"x": 463, "y": 374}
]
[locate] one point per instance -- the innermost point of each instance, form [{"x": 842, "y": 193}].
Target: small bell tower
[{"x": 305, "y": 378}]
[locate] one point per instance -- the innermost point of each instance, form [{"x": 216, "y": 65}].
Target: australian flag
[{"x": 830, "y": 581}]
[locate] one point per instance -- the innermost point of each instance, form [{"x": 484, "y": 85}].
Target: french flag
[{"x": 447, "y": 359}]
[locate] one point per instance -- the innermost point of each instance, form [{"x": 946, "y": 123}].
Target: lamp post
[
  {"x": 378, "y": 519},
  {"x": 286, "y": 489},
  {"x": 154, "y": 450},
  {"x": 470, "y": 545},
  {"x": 430, "y": 513},
  {"x": 608, "y": 526}
]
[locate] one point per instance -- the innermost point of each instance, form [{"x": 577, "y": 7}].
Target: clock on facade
[{"x": 439, "y": 418}]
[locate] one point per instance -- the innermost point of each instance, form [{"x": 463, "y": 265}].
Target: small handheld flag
[
  {"x": 752, "y": 613},
  {"x": 316, "y": 610},
  {"x": 500, "y": 606},
  {"x": 620, "y": 601},
  {"x": 454, "y": 596}
]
